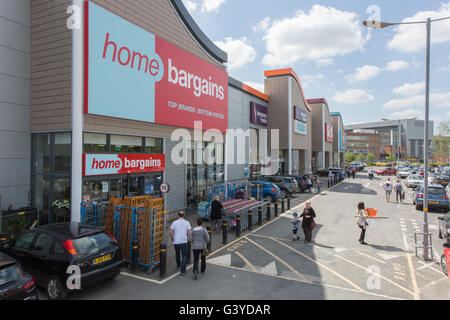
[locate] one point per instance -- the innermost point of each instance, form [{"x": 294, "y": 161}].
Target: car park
[
  {"x": 414, "y": 180},
  {"x": 287, "y": 185},
  {"x": 437, "y": 197},
  {"x": 48, "y": 251},
  {"x": 270, "y": 192},
  {"x": 14, "y": 283}
]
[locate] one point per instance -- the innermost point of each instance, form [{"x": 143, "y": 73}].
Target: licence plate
[
  {"x": 102, "y": 259},
  {"x": 433, "y": 202}
]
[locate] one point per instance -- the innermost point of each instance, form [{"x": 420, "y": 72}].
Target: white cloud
[
  {"x": 255, "y": 85},
  {"x": 190, "y": 5},
  {"x": 322, "y": 33},
  {"x": 364, "y": 73},
  {"x": 407, "y": 114},
  {"x": 308, "y": 80},
  {"x": 396, "y": 65},
  {"x": 211, "y": 5},
  {"x": 263, "y": 25},
  {"x": 324, "y": 62},
  {"x": 436, "y": 100},
  {"x": 410, "y": 89},
  {"x": 412, "y": 37},
  {"x": 352, "y": 96},
  {"x": 239, "y": 51}
]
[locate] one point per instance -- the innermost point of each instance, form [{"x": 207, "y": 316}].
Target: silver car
[
  {"x": 404, "y": 172},
  {"x": 414, "y": 180}
]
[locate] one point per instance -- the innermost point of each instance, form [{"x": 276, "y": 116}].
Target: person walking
[
  {"x": 308, "y": 223},
  {"x": 295, "y": 224},
  {"x": 318, "y": 185},
  {"x": 388, "y": 189},
  {"x": 398, "y": 191},
  {"x": 200, "y": 239},
  {"x": 309, "y": 184},
  {"x": 180, "y": 233},
  {"x": 353, "y": 172},
  {"x": 362, "y": 222},
  {"x": 216, "y": 214}
]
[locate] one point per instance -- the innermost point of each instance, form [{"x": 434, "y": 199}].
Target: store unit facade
[
  {"x": 146, "y": 65},
  {"x": 322, "y": 134},
  {"x": 339, "y": 140},
  {"x": 290, "y": 113}
]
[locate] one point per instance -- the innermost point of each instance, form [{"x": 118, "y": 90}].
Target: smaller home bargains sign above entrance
[{"x": 97, "y": 164}]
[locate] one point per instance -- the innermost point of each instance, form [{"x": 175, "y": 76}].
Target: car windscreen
[
  {"x": 416, "y": 177},
  {"x": 93, "y": 244},
  {"x": 9, "y": 273},
  {"x": 436, "y": 190}
]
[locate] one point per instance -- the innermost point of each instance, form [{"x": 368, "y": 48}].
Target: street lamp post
[{"x": 379, "y": 25}]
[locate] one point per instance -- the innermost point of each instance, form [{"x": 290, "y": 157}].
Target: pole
[
  {"x": 77, "y": 111},
  {"x": 426, "y": 146}
]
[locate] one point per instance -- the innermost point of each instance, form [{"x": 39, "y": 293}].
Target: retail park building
[{"x": 91, "y": 113}]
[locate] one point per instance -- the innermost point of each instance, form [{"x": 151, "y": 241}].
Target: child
[{"x": 295, "y": 223}]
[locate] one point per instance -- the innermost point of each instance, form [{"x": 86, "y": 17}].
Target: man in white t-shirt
[
  {"x": 180, "y": 232},
  {"x": 388, "y": 189}
]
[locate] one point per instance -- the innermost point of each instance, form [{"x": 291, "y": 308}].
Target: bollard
[
  {"x": 162, "y": 260},
  {"x": 238, "y": 225},
  {"x": 135, "y": 253},
  {"x": 282, "y": 206},
  {"x": 289, "y": 202},
  {"x": 328, "y": 182},
  {"x": 188, "y": 258},
  {"x": 276, "y": 208},
  {"x": 268, "y": 212},
  {"x": 250, "y": 217},
  {"x": 260, "y": 216},
  {"x": 209, "y": 242},
  {"x": 224, "y": 232}
]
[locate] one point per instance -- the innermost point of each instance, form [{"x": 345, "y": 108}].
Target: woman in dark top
[
  {"x": 216, "y": 213},
  {"x": 308, "y": 217}
]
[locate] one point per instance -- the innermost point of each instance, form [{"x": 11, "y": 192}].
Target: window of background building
[
  {"x": 126, "y": 144},
  {"x": 153, "y": 145},
  {"x": 95, "y": 143}
]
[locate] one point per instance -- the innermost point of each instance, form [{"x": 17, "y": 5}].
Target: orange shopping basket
[{"x": 371, "y": 212}]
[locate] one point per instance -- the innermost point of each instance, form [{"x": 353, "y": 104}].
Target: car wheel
[
  {"x": 443, "y": 264},
  {"x": 56, "y": 290},
  {"x": 419, "y": 208}
]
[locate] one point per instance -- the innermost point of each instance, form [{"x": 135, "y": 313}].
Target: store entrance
[{"x": 103, "y": 188}]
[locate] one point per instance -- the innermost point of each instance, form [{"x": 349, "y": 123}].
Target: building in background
[
  {"x": 365, "y": 142},
  {"x": 322, "y": 134},
  {"x": 339, "y": 141},
  {"x": 411, "y": 134}
]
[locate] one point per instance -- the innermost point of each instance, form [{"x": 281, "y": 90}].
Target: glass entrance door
[{"x": 191, "y": 188}]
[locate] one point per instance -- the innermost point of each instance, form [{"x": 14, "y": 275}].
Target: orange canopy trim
[
  {"x": 255, "y": 92},
  {"x": 285, "y": 72}
]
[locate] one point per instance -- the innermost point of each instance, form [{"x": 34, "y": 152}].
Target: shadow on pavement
[
  {"x": 354, "y": 188},
  {"x": 385, "y": 248}
]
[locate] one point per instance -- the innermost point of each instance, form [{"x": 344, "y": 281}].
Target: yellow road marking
[
  {"x": 379, "y": 275},
  {"x": 246, "y": 261},
  {"x": 370, "y": 257},
  {"x": 323, "y": 266},
  {"x": 305, "y": 282},
  {"x": 279, "y": 259},
  {"x": 413, "y": 278}
]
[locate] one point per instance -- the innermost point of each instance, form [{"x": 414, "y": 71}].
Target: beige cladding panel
[
  {"x": 51, "y": 60},
  {"x": 277, "y": 89},
  {"x": 300, "y": 141},
  {"x": 317, "y": 132}
]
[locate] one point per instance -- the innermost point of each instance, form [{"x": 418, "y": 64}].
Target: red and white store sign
[
  {"x": 328, "y": 132},
  {"x": 97, "y": 164}
]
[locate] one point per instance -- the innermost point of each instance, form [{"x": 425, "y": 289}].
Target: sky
[{"x": 365, "y": 74}]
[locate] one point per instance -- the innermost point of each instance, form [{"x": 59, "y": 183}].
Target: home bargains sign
[
  {"x": 96, "y": 164},
  {"x": 132, "y": 74},
  {"x": 258, "y": 114},
  {"x": 300, "y": 115},
  {"x": 328, "y": 132}
]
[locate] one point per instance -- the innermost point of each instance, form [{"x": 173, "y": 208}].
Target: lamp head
[{"x": 376, "y": 24}]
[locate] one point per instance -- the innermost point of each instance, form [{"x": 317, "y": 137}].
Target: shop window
[
  {"x": 126, "y": 144},
  {"x": 95, "y": 143},
  {"x": 96, "y": 190},
  {"x": 63, "y": 152},
  {"x": 153, "y": 145},
  {"x": 41, "y": 153},
  {"x": 61, "y": 193}
]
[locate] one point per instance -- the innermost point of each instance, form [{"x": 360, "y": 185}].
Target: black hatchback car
[
  {"x": 14, "y": 283},
  {"x": 47, "y": 252}
]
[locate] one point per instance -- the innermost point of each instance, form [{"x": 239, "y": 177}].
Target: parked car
[
  {"x": 270, "y": 192},
  {"x": 444, "y": 227},
  {"x": 325, "y": 172},
  {"x": 48, "y": 251},
  {"x": 404, "y": 172},
  {"x": 388, "y": 171},
  {"x": 442, "y": 180},
  {"x": 437, "y": 197},
  {"x": 302, "y": 183},
  {"x": 414, "y": 180},
  {"x": 14, "y": 283},
  {"x": 358, "y": 165},
  {"x": 287, "y": 185}
]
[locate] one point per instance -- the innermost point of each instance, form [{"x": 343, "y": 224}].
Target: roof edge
[
  {"x": 244, "y": 87},
  {"x": 288, "y": 72},
  {"x": 209, "y": 46}
]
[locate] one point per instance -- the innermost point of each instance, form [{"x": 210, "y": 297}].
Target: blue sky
[{"x": 364, "y": 74}]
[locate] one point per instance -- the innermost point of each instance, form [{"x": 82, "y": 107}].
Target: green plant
[{"x": 370, "y": 157}]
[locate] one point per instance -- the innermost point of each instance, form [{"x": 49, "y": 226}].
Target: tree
[
  {"x": 391, "y": 157},
  {"x": 349, "y": 157},
  {"x": 371, "y": 157},
  {"x": 360, "y": 157}
]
